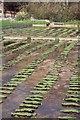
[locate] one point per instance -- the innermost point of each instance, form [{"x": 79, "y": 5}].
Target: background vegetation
[{"x": 53, "y": 11}]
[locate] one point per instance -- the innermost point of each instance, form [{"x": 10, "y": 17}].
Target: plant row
[
  {"x": 25, "y": 54},
  {"x": 74, "y": 33},
  {"x": 27, "y": 71},
  {"x": 67, "y": 32},
  {"x": 40, "y": 31},
  {"x": 22, "y": 47},
  {"x": 53, "y": 31},
  {"x": 31, "y": 103},
  {"x": 62, "y": 32},
  {"x": 59, "y": 31},
  {"x": 68, "y": 49},
  {"x": 18, "y": 42},
  {"x": 71, "y": 102}
]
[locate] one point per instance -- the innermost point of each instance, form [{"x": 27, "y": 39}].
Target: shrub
[{"x": 22, "y": 16}]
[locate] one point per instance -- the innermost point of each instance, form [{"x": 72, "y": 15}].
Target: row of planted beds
[
  {"x": 31, "y": 103},
  {"x": 43, "y": 31}
]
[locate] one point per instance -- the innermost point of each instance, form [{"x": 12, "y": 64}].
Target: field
[
  {"x": 40, "y": 73},
  {"x": 42, "y": 32},
  {"x": 9, "y": 23}
]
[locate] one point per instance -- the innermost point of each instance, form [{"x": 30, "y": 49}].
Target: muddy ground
[{"x": 51, "y": 103}]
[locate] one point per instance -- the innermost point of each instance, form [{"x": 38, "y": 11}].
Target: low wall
[
  {"x": 64, "y": 25},
  {"x": 39, "y": 25}
]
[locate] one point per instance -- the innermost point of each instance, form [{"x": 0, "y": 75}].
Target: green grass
[
  {"x": 8, "y": 23},
  {"x": 72, "y": 22}
]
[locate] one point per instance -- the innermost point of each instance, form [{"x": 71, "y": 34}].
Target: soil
[
  {"x": 23, "y": 90},
  {"x": 51, "y": 104}
]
